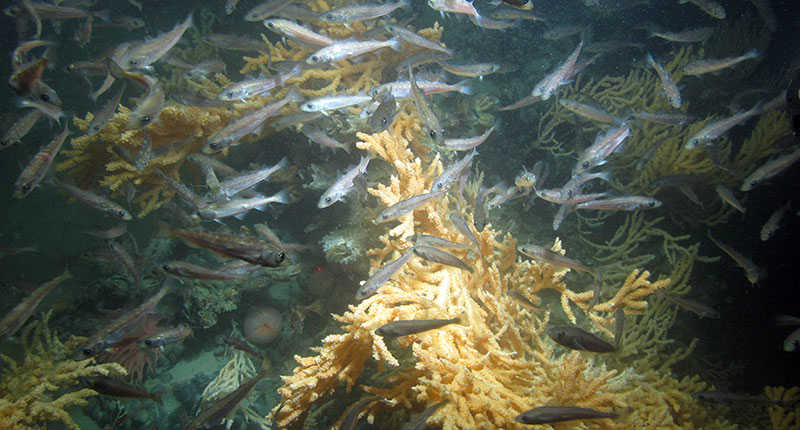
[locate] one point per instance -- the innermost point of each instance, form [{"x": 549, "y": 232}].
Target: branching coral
[
  {"x": 499, "y": 362},
  {"x": 30, "y": 386}
]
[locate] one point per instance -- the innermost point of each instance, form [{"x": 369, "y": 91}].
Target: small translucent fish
[
  {"x": 94, "y": 201},
  {"x": 253, "y": 87},
  {"x": 407, "y": 327},
  {"x": 453, "y": 172},
  {"x": 526, "y": 101},
  {"x": 266, "y": 9},
  {"x": 774, "y": 222},
  {"x": 701, "y": 309},
  {"x": 360, "y": 12},
  {"x": 436, "y": 255},
  {"x": 374, "y": 282},
  {"x": 147, "y": 53},
  {"x": 328, "y": 103},
  {"x": 343, "y": 185},
  {"x": 383, "y": 117},
  {"x": 471, "y": 70},
  {"x": 700, "y": 67},
  {"x": 321, "y": 138},
  {"x": 230, "y": 6},
  {"x": 415, "y": 39},
  {"x": 516, "y": 14},
  {"x": 551, "y": 257},
  {"x": 19, "y": 129},
  {"x": 165, "y": 337},
  {"x": 430, "y": 121},
  {"x": 670, "y": 88},
  {"x": 236, "y": 184},
  {"x": 555, "y": 414},
  {"x": 588, "y": 111},
  {"x": 109, "y": 234},
  {"x": 629, "y": 203},
  {"x": 297, "y": 32},
  {"x": 52, "y": 111},
  {"x": 715, "y": 129},
  {"x": 463, "y": 228},
  {"x": 579, "y": 339},
  {"x": 247, "y": 249},
  {"x": 666, "y": 118},
  {"x": 406, "y": 206},
  {"x": 695, "y": 35},
  {"x": 206, "y": 68},
  {"x": 603, "y": 146},
  {"x": 148, "y": 108},
  {"x": 710, "y": 7},
  {"x": 467, "y": 143},
  {"x": 752, "y": 271},
  {"x": 350, "y": 48},
  {"x": 193, "y": 271},
  {"x": 44, "y": 93},
  {"x": 109, "y": 386},
  {"x": 105, "y": 113},
  {"x": 769, "y": 170},
  {"x": 547, "y": 87},
  {"x": 727, "y": 196},
  {"x": 736, "y": 399},
  {"x": 424, "y": 239},
  {"x": 454, "y": 6},
  {"x": 402, "y": 89},
  {"x": 234, "y": 43},
  {"x": 238, "y": 207},
  {"x": 15, "y": 318},
  {"x": 37, "y": 168}
]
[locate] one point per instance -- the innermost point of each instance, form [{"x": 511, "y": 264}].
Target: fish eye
[
  {"x": 384, "y": 121},
  {"x": 213, "y": 146},
  {"x": 270, "y": 24},
  {"x": 44, "y": 97},
  {"x": 4, "y": 142},
  {"x": 432, "y": 134},
  {"x": 87, "y": 352},
  {"x": 281, "y": 256},
  {"x": 148, "y": 342},
  {"x": 652, "y": 204},
  {"x": 121, "y": 214},
  {"x": 144, "y": 119},
  {"x": 165, "y": 266},
  {"x": 753, "y": 183},
  {"x": 26, "y": 187},
  {"x": 585, "y": 165},
  {"x": 315, "y": 58},
  {"x": 560, "y": 334},
  {"x": 329, "y": 17},
  {"x": 133, "y": 62},
  {"x": 328, "y": 199}
]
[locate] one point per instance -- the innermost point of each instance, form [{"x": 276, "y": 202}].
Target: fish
[
  {"x": 351, "y": 419},
  {"x": 105, "y": 113},
  {"x": 588, "y": 111},
  {"x": 710, "y": 7},
  {"x": 109, "y": 386},
  {"x": 15, "y": 318},
  {"x": 424, "y": 239},
  {"x": 212, "y": 415},
  {"x": 239, "y": 207},
  {"x": 406, "y": 206},
  {"x": 517, "y": 14},
  {"x": 343, "y": 185},
  {"x": 728, "y": 197},
  {"x": 767, "y": 14},
  {"x": 114, "y": 332},
  {"x": 383, "y": 117},
  {"x": 252, "y": 123},
  {"x": 481, "y": 212},
  {"x": 329, "y": 103},
  {"x": 402, "y": 89},
  {"x": 266, "y": 9},
  {"x": 436, "y": 255},
  {"x": 463, "y": 228},
  {"x": 551, "y": 257},
  {"x": 629, "y": 203},
  {"x": 253, "y": 87},
  {"x": 610, "y": 46},
  {"x": 182, "y": 190},
  {"x": 165, "y": 337},
  {"x": 230, "y": 6},
  {"x": 126, "y": 22},
  {"x": 700, "y": 67},
  {"x": 123, "y": 256},
  {"x": 24, "y": 79},
  {"x": 407, "y": 327},
  {"x": 453, "y": 172},
  {"x": 454, "y": 6},
  {"x": 360, "y": 12},
  {"x": 374, "y": 282},
  {"x": 19, "y": 129},
  {"x": 701, "y": 309},
  {"x": 792, "y": 342},
  {"x": 234, "y": 43},
  {"x": 563, "y": 31},
  {"x": 547, "y": 87},
  {"x": 518, "y": 4},
  {"x": 694, "y": 35},
  {"x": 350, "y": 48},
  {"x": 247, "y": 249},
  {"x": 604, "y": 145},
  {"x": 297, "y": 32},
  {"x": 666, "y": 118},
  {"x": 148, "y": 108},
  {"x": 111, "y": 233},
  {"x": 94, "y": 201},
  {"x": 205, "y": 68},
  {"x": 188, "y": 270},
  {"x": 37, "y": 168},
  {"x": 321, "y": 138},
  {"x": 555, "y": 414},
  {"x": 735, "y": 399},
  {"x": 475, "y": 70},
  {"x": 236, "y": 184},
  {"x": 526, "y": 101},
  {"x": 769, "y": 170},
  {"x": 430, "y": 121},
  {"x": 44, "y": 93},
  {"x": 143, "y": 55},
  {"x": 670, "y": 88},
  {"x": 753, "y": 272},
  {"x": 52, "y": 111},
  {"x": 619, "y": 326},
  {"x": 579, "y": 339},
  {"x": 774, "y": 222},
  {"x": 715, "y": 129},
  {"x": 465, "y": 144},
  {"x": 415, "y": 39}
]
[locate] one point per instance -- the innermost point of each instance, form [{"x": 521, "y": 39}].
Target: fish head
[
  {"x": 23, "y": 189},
  {"x": 651, "y": 204},
  {"x": 328, "y": 199},
  {"x": 749, "y": 184},
  {"x": 317, "y": 58},
  {"x": 332, "y": 17},
  {"x": 229, "y": 95},
  {"x": 270, "y": 24},
  {"x": 14, "y": 11},
  {"x": 675, "y": 101},
  {"x": 89, "y": 351},
  {"x": 717, "y": 11},
  {"x": 119, "y": 213},
  {"x": 436, "y": 135},
  {"x": 135, "y": 23},
  {"x": 271, "y": 258},
  {"x": 134, "y": 62},
  {"x": 310, "y": 107},
  {"x": 791, "y": 343}
]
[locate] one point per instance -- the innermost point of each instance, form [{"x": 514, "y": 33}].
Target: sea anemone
[{"x": 262, "y": 325}]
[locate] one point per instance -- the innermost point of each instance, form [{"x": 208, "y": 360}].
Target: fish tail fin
[
  {"x": 395, "y": 44},
  {"x": 464, "y": 87},
  {"x": 282, "y": 164},
  {"x": 784, "y": 320},
  {"x": 281, "y": 197},
  {"x": 163, "y": 230},
  {"x": 294, "y": 95},
  {"x": 462, "y": 318},
  {"x": 753, "y": 53}
]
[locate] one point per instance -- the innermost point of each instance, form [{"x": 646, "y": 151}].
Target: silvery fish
[
  {"x": 603, "y": 146},
  {"x": 348, "y": 49},
  {"x": 409, "y": 36},
  {"x": 752, "y": 271},
  {"x": 147, "y": 53},
  {"x": 406, "y": 206},
  {"x": 554, "y": 258},
  {"x": 548, "y": 86},
  {"x": 238, "y": 207},
  {"x": 234, "y": 185},
  {"x": 193, "y": 271},
  {"x": 205, "y": 68},
  {"x": 37, "y": 168},
  {"x": 407, "y": 327},
  {"x": 453, "y": 172},
  {"x": 436, "y": 255},
  {"x": 384, "y": 114},
  {"x": 371, "y": 285},
  {"x": 672, "y": 91},
  {"x": 148, "y": 109},
  {"x": 253, "y": 87},
  {"x": 554, "y": 414},
  {"x": 727, "y": 196},
  {"x": 266, "y": 9},
  {"x": 165, "y": 337},
  {"x": 769, "y": 170},
  {"x": 297, "y": 32},
  {"x": 589, "y": 111},
  {"x": 105, "y": 113},
  {"x": 321, "y": 138},
  {"x": 471, "y": 70},
  {"x": 774, "y": 222},
  {"x": 15, "y": 318},
  {"x": 630, "y": 203},
  {"x": 700, "y": 67},
  {"x": 579, "y": 339},
  {"x": 430, "y": 120},
  {"x": 715, "y": 129},
  {"x": 361, "y": 12},
  {"x": 342, "y": 185},
  {"x": 329, "y": 103},
  {"x": 20, "y": 128},
  {"x": 689, "y": 36},
  {"x": 402, "y": 89},
  {"x": 94, "y": 201},
  {"x": 710, "y": 7}
]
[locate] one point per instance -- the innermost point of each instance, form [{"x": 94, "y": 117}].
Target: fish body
[
  {"x": 236, "y": 184},
  {"x": 430, "y": 121},
  {"x": 252, "y": 123},
  {"x": 670, "y": 88},
  {"x": 424, "y": 239},
  {"x": 774, "y": 223},
  {"x": 465, "y": 144},
  {"x": 149, "y": 108},
  {"x": 589, "y": 111},
  {"x": 463, "y": 228},
  {"x": 147, "y": 53},
  {"x": 109, "y": 386},
  {"x": 578, "y": 339},
  {"x": 247, "y": 249},
  {"x": 254, "y": 87},
  {"x": 728, "y": 197},
  {"x": 14, "y": 319},
  {"x": 666, "y": 118},
  {"x": 205, "y": 68},
  {"x": 193, "y": 271},
  {"x": 715, "y": 129},
  {"x": 52, "y": 111},
  {"x": 266, "y": 9},
  {"x": 371, "y": 285},
  {"x": 211, "y": 416},
  {"x": 406, "y": 206},
  {"x": 733, "y": 398},
  {"x": 689, "y": 36},
  {"x": 321, "y": 138},
  {"x": 415, "y": 39},
  {"x": 105, "y": 113},
  {"x": 454, "y": 6},
  {"x": 92, "y": 200},
  {"x": 230, "y": 6},
  {"x": 453, "y": 172},
  {"x": 471, "y": 70},
  {"x": 629, "y": 203},
  {"x": 24, "y": 79},
  {"x": 165, "y": 337},
  {"x": 436, "y": 255},
  {"x": 407, "y": 327},
  {"x": 343, "y": 185},
  {"x": 297, "y": 32},
  {"x": 548, "y": 86},
  {"x": 329, "y": 103},
  {"x": 554, "y": 414},
  {"x": 526, "y": 101},
  {"x": 700, "y": 67},
  {"x": 19, "y": 129},
  {"x": 44, "y": 93},
  {"x": 383, "y": 117},
  {"x": 603, "y": 146},
  {"x": 541, "y": 253},
  {"x": 234, "y": 43},
  {"x": 350, "y": 48},
  {"x": 238, "y": 207},
  {"x": 360, "y": 12},
  {"x": 711, "y": 7},
  {"x": 37, "y": 168},
  {"x": 402, "y": 89},
  {"x": 115, "y": 331},
  {"x": 701, "y": 309},
  {"x": 769, "y": 170},
  {"x": 752, "y": 271}
]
